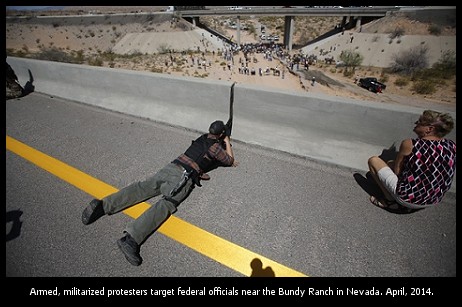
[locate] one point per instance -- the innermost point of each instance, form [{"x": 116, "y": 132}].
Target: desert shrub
[
  {"x": 95, "y": 61},
  {"x": 410, "y": 61},
  {"x": 383, "y": 78},
  {"x": 426, "y": 74},
  {"x": 157, "y": 70},
  {"x": 20, "y": 54},
  {"x": 180, "y": 61},
  {"x": 352, "y": 59},
  {"x": 401, "y": 81},
  {"x": 424, "y": 87},
  {"x": 444, "y": 69},
  {"x": 348, "y": 72},
  {"x": 446, "y": 65},
  {"x": 109, "y": 56},
  {"x": 434, "y": 30},
  {"x": 53, "y": 54},
  {"x": 79, "y": 56},
  {"x": 134, "y": 54},
  {"x": 397, "y": 32}
]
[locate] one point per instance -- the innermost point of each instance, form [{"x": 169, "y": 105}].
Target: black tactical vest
[{"x": 198, "y": 151}]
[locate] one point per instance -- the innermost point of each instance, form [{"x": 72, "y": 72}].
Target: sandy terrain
[{"x": 92, "y": 40}]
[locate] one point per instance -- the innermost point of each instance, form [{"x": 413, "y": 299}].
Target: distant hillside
[{"x": 102, "y": 32}]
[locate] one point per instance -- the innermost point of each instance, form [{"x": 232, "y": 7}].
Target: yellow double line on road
[{"x": 206, "y": 243}]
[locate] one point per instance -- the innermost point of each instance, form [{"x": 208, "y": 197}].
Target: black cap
[{"x": 217, "y": 127}]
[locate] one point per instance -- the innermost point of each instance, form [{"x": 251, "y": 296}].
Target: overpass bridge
[{"x": 351, "y": 16}]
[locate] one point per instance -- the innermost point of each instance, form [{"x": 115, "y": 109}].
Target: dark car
[{"x": 372, "y": 84}]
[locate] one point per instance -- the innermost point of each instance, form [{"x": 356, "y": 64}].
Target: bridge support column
[
  {"x": 351, "y": 21},
  {"x": 195, "y": 21},
  {"x": 358, "y": 24},
  {"x": 238, "y": 30},
  {"x": 288, "y": 32},
  {"x": 344, "y": 19}
]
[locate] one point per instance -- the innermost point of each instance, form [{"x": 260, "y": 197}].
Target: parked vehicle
[{"x": 372, "y": 84}]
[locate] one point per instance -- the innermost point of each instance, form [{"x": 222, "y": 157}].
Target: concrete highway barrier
[{"x": 330, "y": 129}]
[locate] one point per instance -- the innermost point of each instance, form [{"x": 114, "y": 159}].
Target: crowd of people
[{"x": 252, "y": 59}]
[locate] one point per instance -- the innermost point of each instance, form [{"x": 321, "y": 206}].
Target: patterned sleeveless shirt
[{"x": 428, "y": 171}]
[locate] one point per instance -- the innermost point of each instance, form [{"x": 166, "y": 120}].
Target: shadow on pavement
[
  {"x": 13, "y": 217},
  {"x": 368, "y": 184},
  {"x": 259, "y": 271}
]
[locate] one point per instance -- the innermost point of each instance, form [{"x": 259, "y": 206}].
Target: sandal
[
  {"x": 385, "y": 203},
  {"x": 376, "y": 202}
]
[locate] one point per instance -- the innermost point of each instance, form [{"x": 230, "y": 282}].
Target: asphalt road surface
[{"x": 289, "y": 215}]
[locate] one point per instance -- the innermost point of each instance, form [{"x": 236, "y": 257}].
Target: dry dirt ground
[{"x": 93, "y": 40}]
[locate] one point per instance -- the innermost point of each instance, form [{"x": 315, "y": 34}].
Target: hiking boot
[
  {"x": 93, "y": 212},
  {"x": 131, "y": 249}
]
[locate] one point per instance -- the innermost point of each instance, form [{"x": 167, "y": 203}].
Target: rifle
[{"x": 229, "y": 124}]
